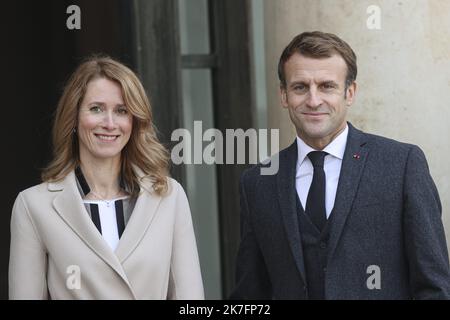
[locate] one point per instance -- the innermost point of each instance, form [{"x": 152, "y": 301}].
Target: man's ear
[
  {"x": 283, "y": 96},
  {"x": 351, "y": 93}
]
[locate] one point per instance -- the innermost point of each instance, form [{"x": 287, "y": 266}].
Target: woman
[{"x": 107, "y": 222}]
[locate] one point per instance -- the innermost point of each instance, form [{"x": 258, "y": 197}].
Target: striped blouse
[{"x": 110, "y": 217}]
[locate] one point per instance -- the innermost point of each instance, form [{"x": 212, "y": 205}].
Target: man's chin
[{"x": 317, "y": 131}]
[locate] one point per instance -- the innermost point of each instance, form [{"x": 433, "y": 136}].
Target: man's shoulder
[
  {"x": 254, "y": 172},
  {"x": 268, "y": 168},
  {"x": 387, "y": 151},
  {"x": 386, "y": 144}
]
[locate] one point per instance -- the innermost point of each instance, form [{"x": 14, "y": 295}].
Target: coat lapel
[
  {"x": 69, "y": 206},
  {"x": 355, "y": 157},
  {"x": 287, "y": 197},
  {"x": 144, "y": 211}
]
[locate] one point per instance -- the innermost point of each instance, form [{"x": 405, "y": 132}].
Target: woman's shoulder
[
  {"x": 37, "y": 195},
  {"x": 37, "y": 189},
  {"x": 173, "y": 184},
  {"x": 174, "y": 188}
]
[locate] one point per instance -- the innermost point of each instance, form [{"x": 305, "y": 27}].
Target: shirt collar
[{"x": 335, "y": 148}]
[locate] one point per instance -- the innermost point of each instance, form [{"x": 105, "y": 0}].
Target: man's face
[{"x": 316, "y": 97}]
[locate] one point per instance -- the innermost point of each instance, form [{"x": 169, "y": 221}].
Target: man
[{"x": 349, "y": 215}]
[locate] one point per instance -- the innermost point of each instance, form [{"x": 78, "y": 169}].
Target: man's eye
[
  {"x": 300, "y": 88},
  {"x": 328, "y": 86}
]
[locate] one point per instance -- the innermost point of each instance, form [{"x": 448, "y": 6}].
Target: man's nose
[{"x": 314, "y": 99}]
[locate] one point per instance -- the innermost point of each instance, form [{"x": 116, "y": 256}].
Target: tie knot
[{"x": 317, "y": 158}]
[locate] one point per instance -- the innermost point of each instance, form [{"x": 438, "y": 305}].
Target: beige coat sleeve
[
  {"x": 185, "y": 282},
  {"x": 28, "y": 259}
]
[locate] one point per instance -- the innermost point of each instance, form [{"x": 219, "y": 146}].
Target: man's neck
[{"x": 320, "y": 143}]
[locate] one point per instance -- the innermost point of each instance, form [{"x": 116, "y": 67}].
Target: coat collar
[{"x": 69, "y": 206}]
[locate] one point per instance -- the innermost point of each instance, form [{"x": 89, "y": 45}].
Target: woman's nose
[{"x": 109, "y": 121}]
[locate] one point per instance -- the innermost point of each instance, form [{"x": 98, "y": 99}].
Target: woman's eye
[
  {"x": 122, "y": 111},
  {"x": 95, "y": 109}
]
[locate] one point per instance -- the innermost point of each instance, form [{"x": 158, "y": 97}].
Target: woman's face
[{"x": 104, "y": 123}]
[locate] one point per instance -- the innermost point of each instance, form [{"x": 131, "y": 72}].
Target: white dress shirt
[{"x": 332, "y": 167}]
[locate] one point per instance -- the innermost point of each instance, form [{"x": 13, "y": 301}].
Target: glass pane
[
  {"x": 194, "y": 26},
  {"x": 201, "y": 178}
]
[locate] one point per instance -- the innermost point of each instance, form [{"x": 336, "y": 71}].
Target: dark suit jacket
[{"x": 387, "y": 213}]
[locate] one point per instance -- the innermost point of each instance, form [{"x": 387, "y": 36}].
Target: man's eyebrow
[
  {"x": 332, "y": 82},
  {"x": 299, "y": 82}
]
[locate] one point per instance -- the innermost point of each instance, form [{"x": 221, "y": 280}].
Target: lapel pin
[{"x": 356, "y": 156}]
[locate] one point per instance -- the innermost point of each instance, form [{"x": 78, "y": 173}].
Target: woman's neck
[{"x": 102, "y": 176}]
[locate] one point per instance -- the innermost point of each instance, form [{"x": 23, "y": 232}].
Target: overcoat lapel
[
  {"x": 355, "y": 156},
  {"x": 144, "y": 211},
  {"x": 287, "y": 197},
  {"x": 69, "y": 206}
]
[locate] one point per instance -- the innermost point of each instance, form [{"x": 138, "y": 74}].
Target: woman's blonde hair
[{"x": 142, "y": 150}]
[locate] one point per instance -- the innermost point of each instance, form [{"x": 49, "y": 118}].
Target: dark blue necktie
[{"x": 315, "y": 203}]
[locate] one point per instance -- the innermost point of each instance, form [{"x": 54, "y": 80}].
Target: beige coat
[{"x": 57, "y": 252}]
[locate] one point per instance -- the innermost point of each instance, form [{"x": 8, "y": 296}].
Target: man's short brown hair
[{"x": 319, "y": 45}]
